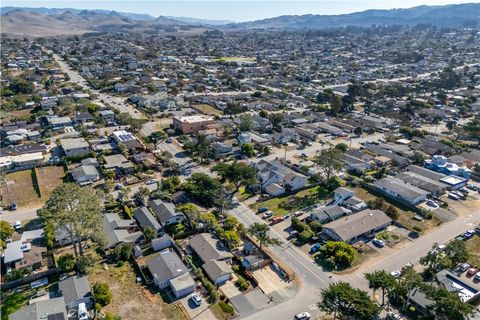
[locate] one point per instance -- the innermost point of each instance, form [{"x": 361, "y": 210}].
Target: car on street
[
  {"x": 379, "y": 243},
  {"x": 298, "y": 213},
  {"x": 12, "y": 206},
  {"x": 293, "y": 234},
  {"x": 196, "y": 299},
  {"x": 277, "y": 220},
  {"x": 396, "y": 273},
  {"x": 472, "y": 187},
  {"x": 268, "y": 214},
  {"x": 17, "y": 225},
  {"x": 315, "y": 248},
  {"x": 468, "y": 234},
  {"x": 302, "y": 316},
  {"x": 471, "y": 272}
]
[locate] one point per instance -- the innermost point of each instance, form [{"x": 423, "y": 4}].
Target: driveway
[
  {"x": 201, "y": 312},
  {"x": 269, "y": 280}
]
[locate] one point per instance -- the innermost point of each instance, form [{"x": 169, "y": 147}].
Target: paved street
[
  {"x": 116, "y": 102},
  {"x": 313, "y": 279}
]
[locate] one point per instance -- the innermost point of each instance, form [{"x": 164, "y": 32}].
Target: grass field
[
  {"x": 26, "y": 191},
  {"x": 473, "y": 246},
  {"x": 206, "y": 109},
  {"x": 130, "y": 299},
  {"x": 298, "y": 201}
]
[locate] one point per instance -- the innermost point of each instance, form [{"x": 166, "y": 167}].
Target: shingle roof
[
  {"x": 208, "y": 248},
  {"x": 216, "y": 269},
  {"x": 146, "y": 219},
  {"x": 358, "y": 223},
  {"x": 74, "y": 288},
  {"x": 166, "y": 265}
]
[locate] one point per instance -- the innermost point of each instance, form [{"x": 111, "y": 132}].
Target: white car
[
  {"x": 196, "y": 299},
  {"x": 17, "y": 225},
  {"x": 395, "y": 273},
  {"x": 302, "y": 316},
  {"x": 151, "y": 181},
  {"x": 82, "y": 312}
]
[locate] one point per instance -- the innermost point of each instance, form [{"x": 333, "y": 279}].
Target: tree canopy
[
  {"x": 77, "y": 211},
  {"x": 262, "y": 233}
]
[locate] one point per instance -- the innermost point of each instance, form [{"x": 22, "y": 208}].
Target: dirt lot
[
  {"x": 49, "y": 178},
  {"x": 206, "y": 109},
  {"x": 131, "y": 300},
  {"x": 473, "y": 246},
  {"x": 19, "y": 189},
  {"x": 21, "y": 186},
  {"x": 269, "y": 280}
]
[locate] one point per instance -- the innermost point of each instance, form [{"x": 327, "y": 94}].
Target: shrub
[
  {"x": 315, "y": 226},
  {"x": 66, "y": 262},
  {"x": 242, "y": 284},
  {"x": 102, "y": 294},
  {"x": 226, "y": 308},
  {"x": 213, "y": 296},
  {"x": 122, "y": 253},
  {"x": 306, "y": 235}
]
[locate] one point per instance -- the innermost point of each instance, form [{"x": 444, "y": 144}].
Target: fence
[{"x": 30, "y": 278}]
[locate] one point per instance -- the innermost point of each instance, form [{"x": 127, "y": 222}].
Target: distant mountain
[
  {"x": 202, "y": 21},
  {"x": 445, "y": 16},
  {"x": 50, "y": 11}
]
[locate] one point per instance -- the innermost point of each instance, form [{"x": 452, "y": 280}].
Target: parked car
[
  {"x": 472, "y": 187},
  {"x": 169, "y": 140},
  {"x": 17, "y": 225},
  {"x": 464, "y": 191},
  {"x": 298, "y": 213},
  {"x": 463, "y": 267},
  {"x": 293, "y": 234},
  {"x": 151, "y": 181},
  {"x": 12, "y": 206},
  {"x": 379, "y": 243},
  {"x": 315, "y": 248},
  {"x": 471, "y": 272},
  {"x": 432, "y": 203},
  {"x": 453, "y": 196},
  {"x": 262, "y": 209},
  {"x": 196, "y": 299},
  {"x": 277, "y": 219},
  {"x": 302, "y": 316},
  {"x": 82, "y": 312},
  {"x": 268, "y": 214},
  {"x": 468, "y": 234},
  {"x": 118, "y": 186},
  {"x": 477, "y": 276},
  {"x": 396, "y": 273}
]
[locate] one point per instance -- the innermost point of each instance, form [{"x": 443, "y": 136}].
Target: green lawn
[
  {"x": 284, "y": 205},
  {"x": 11, "y": 303}
]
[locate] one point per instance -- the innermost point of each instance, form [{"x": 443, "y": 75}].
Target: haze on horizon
[{"x": 233, "y": 10}]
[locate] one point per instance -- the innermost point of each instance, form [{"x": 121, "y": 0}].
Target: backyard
[{"x": 130, "y": 299}]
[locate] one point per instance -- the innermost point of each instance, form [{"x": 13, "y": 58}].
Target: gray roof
[
  {"x": 422, "y": 182},
  {"x": 51, "y": 309},
  {"x": 163, "y": 210},
  {"x": 182, "y": 282},
  {"x": 146, "y": 219},
  {"x": 84, "y": 170},
  {"x": 358, "y": 223},
  {"x": 75, "y": 288},
  {"x": 166, "y": 265},
  {"x": 115, "y": 230},
  {"x": 342, "y": 191},
  {"x": 425, "y": 172},
  {"x": 208, "y": 248},
  {"x": 74, "y": 143},
  {"x": 403, "y": 189},
  {"x": 216, "y": 269}
]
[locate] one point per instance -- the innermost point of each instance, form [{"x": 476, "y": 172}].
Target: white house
[{"x": 271, "y": 173}]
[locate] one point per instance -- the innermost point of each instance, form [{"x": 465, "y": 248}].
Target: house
[
  {"x": 328, "y": 213},
  {"x": 75, "y": 147},
  {"x": 253, "y": 261},
  {"x": 49, "y": 309},
  {"x": 167, "y": 270},
  {"x": 166, "y": 212},
  {"x": 21, "y": 161},
  {"x": 26, "y": 253},
  {"x": 57, "y": 123},
  {"x": 85, "y": 174},
  {"x": 107, "y": 115},
  {"x": 353, "y": 227},
  {"x": 145, "y": 219},
  {"x": 401, "y": 191},
  {"x": 119, "y": 231},
  {"x": 354, "y": 164},
  {"x": 192, "y": 124},
  {"x": 467, "y": 289},
  {"x": 118, "y": 164},
  {"x": 76, "y": 290},
  {"x": 433, "y": 187},
  {"x": 83, "y": 119},
  {"x": 222, "y": 150},
  {"x": 208, "y": 248},
  {"x": 440, "y": 164},
  {"x": 128, "y": 139},
  {"x": 276, "y": 173},
  {"x": 218, "y": 272},
  {"x": 147, "y": 159}
]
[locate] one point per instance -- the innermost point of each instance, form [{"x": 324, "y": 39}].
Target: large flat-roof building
[
  {"x": 192, "y": 124},
  {"x": 401, "y": 191}
]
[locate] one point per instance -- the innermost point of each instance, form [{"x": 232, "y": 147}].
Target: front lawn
[{"x": 287, "y": 204}]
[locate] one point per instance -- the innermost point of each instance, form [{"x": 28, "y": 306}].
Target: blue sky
[{"x": 236, "y": 10}]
